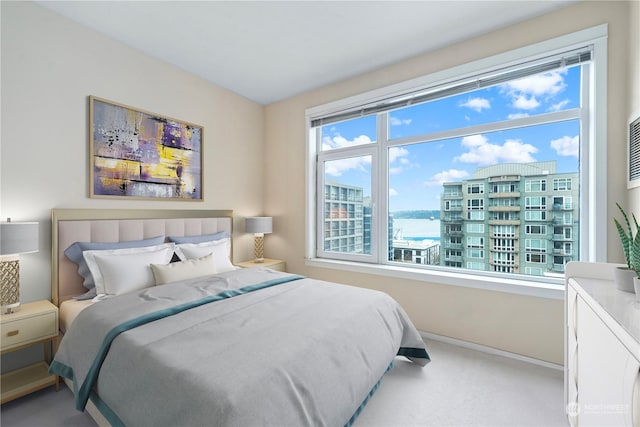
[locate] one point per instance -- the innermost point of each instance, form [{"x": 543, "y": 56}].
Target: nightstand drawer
[
  {"x": 28, "y": 329},
  {"x": 274, "y": 264}
]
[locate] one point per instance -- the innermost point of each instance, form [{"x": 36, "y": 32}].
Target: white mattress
[{"x": 69, "y": 310}]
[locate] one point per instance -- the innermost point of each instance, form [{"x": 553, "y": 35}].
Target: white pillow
[
  {"x": 183, "y": 270},
  {"x": 221, "y": 249},
  {"x": 119, "y": 271}
]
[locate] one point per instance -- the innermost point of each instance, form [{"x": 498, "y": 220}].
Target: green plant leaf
[{"x": 626, "y": 238}]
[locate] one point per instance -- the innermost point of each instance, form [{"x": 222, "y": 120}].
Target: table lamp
[
  {"x": 15, "y": 238},
  {"x": 259, "y": 226}
]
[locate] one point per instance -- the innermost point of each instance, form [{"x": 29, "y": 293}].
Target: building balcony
[
  {"x": 505, "y": 194},
  {"x": 562, "y": 207},
  {"x": 561, "y": 221},
  {"x": 454, "y": 209},
  {"x": 452, "y": 196},
  {"x": 558, "y": 268},
  {"x": 507, "y": 250},
  {"x": 504, "y": 222},
  {"x": 505, "y": 178},
  {"x": 453, "y": 258},
  {"x": 562, "y": 252},
  {"x": 561, "y": 238},
  {"x": 457, "y": 220},
  {"x": 454, "y": 233},
  {"x": 449, "y": 245},
  {"x": 514, "y": 264},
  {"x": 504, "y": 208}
]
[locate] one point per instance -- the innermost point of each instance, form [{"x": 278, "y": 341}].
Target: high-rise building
[
  {"x": 512, "y": 218},
  {"x": 344, "y": 218}
]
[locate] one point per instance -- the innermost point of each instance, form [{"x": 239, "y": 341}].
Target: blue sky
[{"x": 417, "y": 171}]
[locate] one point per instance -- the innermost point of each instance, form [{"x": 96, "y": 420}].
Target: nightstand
[
  {"x": 34, "y": 323},
  {"x": 274, "y": 264}
]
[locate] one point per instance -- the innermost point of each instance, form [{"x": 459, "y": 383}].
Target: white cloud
[
  {"x": 483, "y": 153},
  {"x": 547, "y": 84},
  {"x": 392, "y": 192},
  {"x": 446, "y": 176},
  {"x": 559, "y": 106},
  {"x": 523, "y": 103},
  {"x": 477, "y": 104},
  {"x": 400, "y": 155},
  {"x": 527, "y": 92},
  {"x": 396, "y": 153},
  {"x": 338, "y": 141},
  {"x": 338, "y": 167},
  {"x": 394, "y": 121},
  {"x": 517, "y": 115},
  {"x": 566, "y": 146}
]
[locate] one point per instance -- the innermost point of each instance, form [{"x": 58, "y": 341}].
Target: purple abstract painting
[{"x": 143, "y": 155}]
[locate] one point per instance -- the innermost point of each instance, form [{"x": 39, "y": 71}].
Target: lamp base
[
  {"x": 10, "y": 308},
  {"x": 258, "y": 247},
  {"x": 9, "y": 283}
]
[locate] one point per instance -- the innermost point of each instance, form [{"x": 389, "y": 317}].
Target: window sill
[{"x": 508, "y": 285}]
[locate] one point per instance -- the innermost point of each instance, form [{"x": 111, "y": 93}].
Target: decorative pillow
[
  {"x": 199, "y": 239},
  {"x": 219, "y": 248},
  {"x": 74, "y": 253},
  {"x": 183, "y": 270},
  {"x": 119, "y": 271}
]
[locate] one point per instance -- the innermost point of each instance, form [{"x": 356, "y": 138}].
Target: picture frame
[{"x": 137, "y": 154}]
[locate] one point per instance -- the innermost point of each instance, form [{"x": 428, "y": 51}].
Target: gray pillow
[
  {"x": 74, "y": 253},
  {"x": 199, "y": 239}
]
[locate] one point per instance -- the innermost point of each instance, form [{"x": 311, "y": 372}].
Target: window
[
  {"x": 535, "y": 203},
  {"x": 475, "y": 189},
  {"x": 536, "y": 229},
  {"x": 562, "y": 184},
  {"x": 475, "y": 242},
  {"x": 535, "y": 245},
  {"x": 475, "y": 253},
  {"x": 504, "y": 231},
  {"x": 475, "y": 156},
  {"x": 475, "y": 228},
  {"x": 535, "y": 185},
  {"x": 536, "y": 258}
]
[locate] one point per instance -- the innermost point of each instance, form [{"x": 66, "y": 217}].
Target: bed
[{"x": 194, "y": 340}]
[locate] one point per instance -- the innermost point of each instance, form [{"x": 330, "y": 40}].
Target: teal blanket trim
[
  {"x": 111, "y": 416},
  {"x": 85, "y": 390},
  {"x": 65, "y": 371},
  {"x": 61, "y": 369},
  {"x": 416, "y": 353},
  {"x": 366, "y": 399}
]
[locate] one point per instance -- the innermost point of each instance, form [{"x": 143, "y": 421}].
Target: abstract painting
[{"x": 137, "y": 154}]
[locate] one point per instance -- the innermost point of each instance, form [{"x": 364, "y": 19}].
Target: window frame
[{"x": 593, "y": 182}]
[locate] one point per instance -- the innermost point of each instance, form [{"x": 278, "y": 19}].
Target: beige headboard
[{"x": 116, "y": 225}]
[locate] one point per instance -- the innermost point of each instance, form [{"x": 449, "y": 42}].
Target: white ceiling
[{"x": 267, "y": 51}]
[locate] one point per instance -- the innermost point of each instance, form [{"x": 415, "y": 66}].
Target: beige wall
[
  {"x": 525, "y": 325},
  {"x": 50, "y": 65}
]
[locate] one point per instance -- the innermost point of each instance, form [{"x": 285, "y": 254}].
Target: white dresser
[{"x": 602, "y": 348}]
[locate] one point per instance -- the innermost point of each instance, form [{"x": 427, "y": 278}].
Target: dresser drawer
[{"x": 24, "y": 330}]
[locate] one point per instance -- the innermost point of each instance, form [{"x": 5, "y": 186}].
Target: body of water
[{"x": 416, "y": 229}]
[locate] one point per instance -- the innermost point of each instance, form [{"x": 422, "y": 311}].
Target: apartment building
[{"x": 512, "y": 218}]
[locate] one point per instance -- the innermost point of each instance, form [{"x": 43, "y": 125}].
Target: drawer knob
[{"x": 13, "y": 333}]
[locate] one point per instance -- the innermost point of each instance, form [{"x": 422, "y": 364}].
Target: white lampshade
[
  {"x": 18, "y": 238},
  {"x": 258, "y": 224}
]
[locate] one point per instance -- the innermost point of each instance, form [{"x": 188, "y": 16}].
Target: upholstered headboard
[{"x": 116, "y": 225}]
